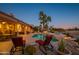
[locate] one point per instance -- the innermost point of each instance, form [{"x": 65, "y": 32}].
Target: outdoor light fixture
[{"x": 3, "y": 22}]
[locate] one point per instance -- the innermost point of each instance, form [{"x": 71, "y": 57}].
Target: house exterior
[{"x": 9, "y": 25}]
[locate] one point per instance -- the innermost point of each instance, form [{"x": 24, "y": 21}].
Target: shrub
[
  {"x": 62, "y": 46},
  {"x": 30, "y": 49}
]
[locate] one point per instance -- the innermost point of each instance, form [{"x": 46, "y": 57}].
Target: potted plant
[
  {"x": 62, "y": 50},
  {"x": 30, "y": 50}
]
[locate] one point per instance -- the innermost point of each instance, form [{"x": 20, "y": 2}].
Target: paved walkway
[
  {"x": 5, "y": 47},
  {"x": 72, "y": 46}
]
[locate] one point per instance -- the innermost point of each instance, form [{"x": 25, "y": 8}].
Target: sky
[{"x": 62, "y": 15}]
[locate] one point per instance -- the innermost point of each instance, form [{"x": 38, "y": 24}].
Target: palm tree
[
  {"x": 42, "y": 17},
  {"x": 44, "y": 20},
  {"x": 48, "y": 19}
]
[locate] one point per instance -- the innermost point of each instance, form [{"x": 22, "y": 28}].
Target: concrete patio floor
[{"x": 6, "y": 46}]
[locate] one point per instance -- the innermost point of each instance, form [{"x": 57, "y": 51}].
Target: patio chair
[
  {"x": 18, "y": 45},
  {"x": 45, "y": 44}
]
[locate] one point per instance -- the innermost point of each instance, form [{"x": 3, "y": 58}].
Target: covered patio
[{"x": 9, "y": 24}]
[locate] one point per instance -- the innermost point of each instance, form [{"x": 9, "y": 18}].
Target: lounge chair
[
  {"x": 45, "y": 44},
  {"x": 18, "y": 45}
]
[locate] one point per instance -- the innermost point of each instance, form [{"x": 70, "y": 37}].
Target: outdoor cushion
[
  {"x": 54, "y": 39},
  {"x": 46, "y": 42},
  {"x": 40, "y": 42}
]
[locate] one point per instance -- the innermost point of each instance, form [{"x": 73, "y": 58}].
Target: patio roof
[{"x": 14, "y": 19}]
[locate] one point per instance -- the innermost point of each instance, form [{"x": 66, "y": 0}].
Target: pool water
[
  {"x": 39, "y": 36},
  {"x": 42, "y": 37}
]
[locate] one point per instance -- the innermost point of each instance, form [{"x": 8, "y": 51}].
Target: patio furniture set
[{"x": 20, "y": 45}]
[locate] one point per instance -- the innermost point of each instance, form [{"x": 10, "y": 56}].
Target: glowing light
[
  {"x": 0, "y": 25},
  {"x": 18, "y": 27},
  {"x": 3, "y": 22},
  {"x": 7, "y": 27},
  {"x": 67, "y": 37},
  {"x": 26, "y": 27}
]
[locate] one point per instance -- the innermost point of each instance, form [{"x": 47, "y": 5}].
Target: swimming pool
[
  {"x": 42, "y": 37},
  {"x": 39, "y": 36}
]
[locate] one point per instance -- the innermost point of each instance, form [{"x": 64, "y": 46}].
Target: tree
[
  {"x": 62, "y": 45},
  {"x": 44, "y": 20},
  {"x": 36, "y": 28},
  {"x": 51, "y": 28}
]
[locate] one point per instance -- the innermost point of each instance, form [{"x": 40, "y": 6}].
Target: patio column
[
  {"x": 0, "y": 28},
  {"x": 25, "y": 30}
]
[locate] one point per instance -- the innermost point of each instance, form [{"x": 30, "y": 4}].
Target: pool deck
[{"x": 6, "y": 46}]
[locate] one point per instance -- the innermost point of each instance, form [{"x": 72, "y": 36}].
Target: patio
[{"x": 5, "y": 47}]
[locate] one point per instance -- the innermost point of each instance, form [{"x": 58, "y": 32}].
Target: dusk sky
[{"x": 63, "y": 15}]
